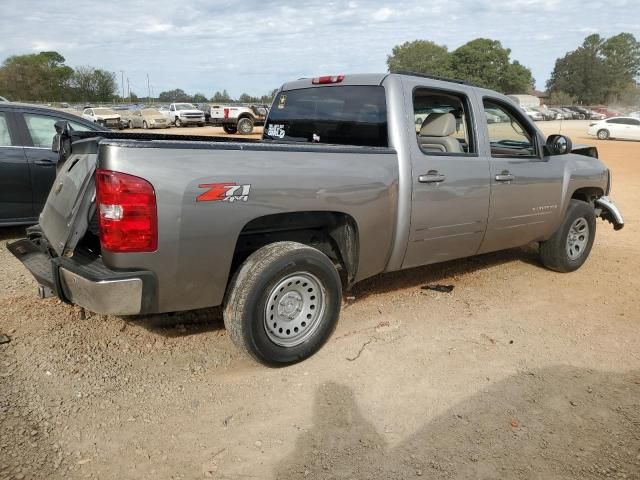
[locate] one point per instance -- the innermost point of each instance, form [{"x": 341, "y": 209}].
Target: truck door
[
  {"x": 526, "y": 186},
  {"x": 450, "y": 197},
  {"x": 15, "y": 185}
]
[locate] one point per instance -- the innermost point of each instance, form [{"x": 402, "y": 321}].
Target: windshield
[
  {"x": 344, "y": 115},
  {"x": 184, "y": 106},
  {"x": 104, "y": 111}
]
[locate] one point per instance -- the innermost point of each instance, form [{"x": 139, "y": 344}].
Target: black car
[{"x": 27, "y": 164}]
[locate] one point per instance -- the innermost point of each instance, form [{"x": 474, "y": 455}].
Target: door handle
[
  {"x": 432, "y": 176},
  {"x": 505, "y": 176},
  {"x": 46, "y": 163}
]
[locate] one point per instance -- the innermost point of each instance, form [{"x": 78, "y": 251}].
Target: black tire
[
  {"x": 245, "y": 126},
  {"x": 603, "y": 134},
  {"x": 201, "y": 124},
  {"x": 144, "y": 124},
  {"x": 554, "y": 253},
  {"x": 178, "y": 122},
  {"x": 251, "y": 291},
  {"x": 230, "y": 129}
]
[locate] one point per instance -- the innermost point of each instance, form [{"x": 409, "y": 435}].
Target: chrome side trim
[
  {"x": 610, "y": 212},
  {"x": 109, "y": 297}
]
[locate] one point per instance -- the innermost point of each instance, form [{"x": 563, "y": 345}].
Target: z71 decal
[{"x": 224, "y": 192}]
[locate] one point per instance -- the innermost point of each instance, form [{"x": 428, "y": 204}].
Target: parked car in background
[
  {"x": 102, "y": 116},
  {"x": 238, "y": 118},
  {"x": 533, "y": 114},
  {"x": 206, "y": 109},
  {"x": 27, "y": 164},
  {"x": 635, "y": 114},
  {"x": 3, "y": 99},
  {"x": 546, "y": 113},
  {"x": 185, "y": 114},
  {"x": 145, "y": 118},
  {"x": 608, "y": 113},
  {"x": 560, "y": 115},
  {"x": 621, "y": 128},
  {"x": 164, "y": 111}
]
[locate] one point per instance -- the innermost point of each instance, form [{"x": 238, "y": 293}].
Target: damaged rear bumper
[
  {"x": 606, "y": 209},
  {"x": 85, "y": 281}
]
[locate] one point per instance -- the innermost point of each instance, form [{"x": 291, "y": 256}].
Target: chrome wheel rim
[
  {"x": 578, "y": 238},
  {"x": 245, "y": 126},
  {"x": 294, "y": 310}
]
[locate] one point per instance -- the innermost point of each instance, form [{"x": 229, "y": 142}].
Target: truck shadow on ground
[
  {"x": 437, "y": 272},
  {"x": 558, "y": 422},
  {"x": 209, "y": 319}
]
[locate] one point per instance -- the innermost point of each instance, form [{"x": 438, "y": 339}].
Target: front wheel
[
  {"x": 130, "y": 124},
  {"x": 144, "y": 124},
  {"x": 283, "y": 303},
  {"x": 569, "y": 247},
  {"x": 178, "y": 122},
  {"x": 603, "y": 134}
]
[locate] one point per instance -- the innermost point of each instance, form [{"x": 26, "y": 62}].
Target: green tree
[
  {"x": 560, "y": 98},
  {"x": 199, "y": 98},
  {"x": 40, "y": 77},
  {"x": 89, "y": 84},
  {"x": 420, "y": 56},
  {"x": 176, "y": 95},
  {"x": 486, "y": 63},
  {"x": 221, "y": 97},
  {"x": 599, "y": 70}
]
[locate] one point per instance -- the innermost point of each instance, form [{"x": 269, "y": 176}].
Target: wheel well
[
  {"x": 587, "y": 194},
  {"x": 246, "y": 115},
  {"x": 333, "y": 233}
]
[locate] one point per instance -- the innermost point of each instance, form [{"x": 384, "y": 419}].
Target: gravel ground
[{"x": 517, "y": 373}]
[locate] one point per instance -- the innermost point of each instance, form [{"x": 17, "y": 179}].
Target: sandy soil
[{"x": 518, "y": 373}]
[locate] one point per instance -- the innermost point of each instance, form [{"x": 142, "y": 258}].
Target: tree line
[{"x": 599, "y": 71}]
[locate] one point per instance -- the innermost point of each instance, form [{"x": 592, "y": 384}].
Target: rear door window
[
  {"x": 345, "y": 115},
  {"x": 42, "y": 128},
  {"x": 5, "y": 134}
]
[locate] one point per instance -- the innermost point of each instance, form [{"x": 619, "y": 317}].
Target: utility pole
[
  {"x": 122, "y": 83},
  {"x": 148, "y": 89},
  {"x": 129, "y": 89}
]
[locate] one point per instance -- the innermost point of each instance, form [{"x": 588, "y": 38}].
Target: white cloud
[
  {"x": 204, "y": 45},
  {"x": 382, "y": 14}
]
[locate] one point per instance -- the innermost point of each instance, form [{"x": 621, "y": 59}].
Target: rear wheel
[
  {"x": 245, "y": 126},
  {"x": 230, "y": 129},
  {"x": 569, "y": 247},
  {"x": 283, "y": 303},
  {"x": 603, "y": 134}
]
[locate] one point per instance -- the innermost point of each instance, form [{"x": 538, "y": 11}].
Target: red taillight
[
  {"x": 327, "y": 79},
  {"x": 226, "y": 113},
  {"x": 127, "y": 212}
]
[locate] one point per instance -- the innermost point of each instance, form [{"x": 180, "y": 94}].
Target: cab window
[
  {"x": 508, "y": 133},
  {"x": 443, "y": 122}
]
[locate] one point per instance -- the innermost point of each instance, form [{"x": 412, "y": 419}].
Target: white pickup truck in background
[
  {"x": 181, "y": 114},
  {"x": 238, "y": 118}
]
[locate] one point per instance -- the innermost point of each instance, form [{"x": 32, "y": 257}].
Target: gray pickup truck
[{"x": 355, "y": 175}]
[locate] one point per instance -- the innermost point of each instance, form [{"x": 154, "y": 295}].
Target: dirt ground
[{"x": 519, "y": 373}]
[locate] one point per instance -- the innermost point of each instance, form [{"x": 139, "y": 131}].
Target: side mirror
[{"x": 558, "y": 145}]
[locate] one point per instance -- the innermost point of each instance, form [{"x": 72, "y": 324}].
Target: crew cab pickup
[
  {"x": 344, "y": 185},
  {"x": 238, "y": 118}
]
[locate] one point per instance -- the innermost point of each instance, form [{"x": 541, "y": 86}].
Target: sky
[{"x": 254, "y": 46}]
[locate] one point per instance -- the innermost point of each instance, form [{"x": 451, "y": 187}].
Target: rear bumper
[{"x": 85, "y": 281}]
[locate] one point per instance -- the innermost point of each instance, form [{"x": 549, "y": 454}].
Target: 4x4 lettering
[{"x": 224, "y": 192}]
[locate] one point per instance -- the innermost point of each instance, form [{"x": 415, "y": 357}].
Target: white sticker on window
[{"x": 276, "y": 130}]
